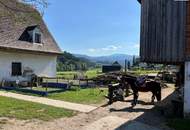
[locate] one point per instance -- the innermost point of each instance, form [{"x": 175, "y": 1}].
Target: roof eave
[
  {"x": 29, "y": 51},
  {"x": 139, "y": 1}
]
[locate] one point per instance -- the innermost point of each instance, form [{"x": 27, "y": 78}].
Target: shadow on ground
[{"x": 156, "y": 116}]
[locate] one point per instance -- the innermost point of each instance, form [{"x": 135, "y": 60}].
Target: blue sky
[{"x": 95, "y": 27}]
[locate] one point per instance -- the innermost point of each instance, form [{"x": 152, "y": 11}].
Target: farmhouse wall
[{"x": 42, "y": 65}]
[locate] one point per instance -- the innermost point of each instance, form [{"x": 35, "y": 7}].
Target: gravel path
[
  {"x": 144, "y": 113},
  {"x": 117, "y": 123},
  {"x": 50, "y": 102},
  {"x": 106, "y": 123}
]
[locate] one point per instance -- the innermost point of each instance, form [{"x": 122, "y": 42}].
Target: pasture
[
  {"x": 24, "y": 110},
  {"x": 75, "y": 94},
  {"x": 83, "y": 96},
  {"x": 70, "y": 74}
]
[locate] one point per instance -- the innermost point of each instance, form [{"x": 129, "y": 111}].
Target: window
[
  {"x": 16, "y": 69},
  {"x": 37, "y": 38},
  {"x": 32, "y": 34}
]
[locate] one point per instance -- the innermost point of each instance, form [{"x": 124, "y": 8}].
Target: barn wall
[
  {"x": 42, "y": 65},
  {"x": 110, "y": 68},
  {"x": 162, "y": 31},
  {"x": 188, "y": 32}
]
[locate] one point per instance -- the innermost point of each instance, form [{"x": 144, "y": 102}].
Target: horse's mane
[{"x": 130, "y": 79}]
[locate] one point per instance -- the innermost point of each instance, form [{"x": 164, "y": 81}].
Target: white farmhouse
[{"x": 25, "y": 43}]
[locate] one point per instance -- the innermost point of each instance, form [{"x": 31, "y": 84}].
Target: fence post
[
  {"x": 87, "y": 82},
  {"x": 46, "y": 85},
  {"x": 68, "y": 81},
  {"x": 37, "y": 82},
  {"x": 31, "y": 85},
  {"x": 79, "y": 83}
]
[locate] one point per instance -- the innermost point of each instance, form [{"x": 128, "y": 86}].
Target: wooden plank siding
[
  {"x": 163, "y": 31},
  {"x": 188, "y": 32}
]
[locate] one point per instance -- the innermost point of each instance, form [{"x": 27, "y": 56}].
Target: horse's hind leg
[
  {"x": 135, "y": 98},
  {"x": 153, "y": 98}
]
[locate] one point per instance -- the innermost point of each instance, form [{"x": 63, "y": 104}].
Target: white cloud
[
  {"x": 111, "y": 48},
  {"x": 107, "y": 48},
  {"x": 92, "y": 50}
]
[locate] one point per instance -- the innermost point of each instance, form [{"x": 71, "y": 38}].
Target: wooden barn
[
  {"x": 165, "y": 37},
  {"x": 111, "y": 68}
]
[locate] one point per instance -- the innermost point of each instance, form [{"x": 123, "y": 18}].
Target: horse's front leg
[
  {"x": 135, "y": 98},
  {"x": 110, "y": 94},
  {"x": 127, "y": 90}
]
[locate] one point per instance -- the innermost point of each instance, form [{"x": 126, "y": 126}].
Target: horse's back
[
  {"x": 150, "y": 86},
  {"x": 153, "y": 85}
]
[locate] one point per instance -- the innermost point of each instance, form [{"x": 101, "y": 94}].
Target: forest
[{"x": 68, "y": 62}]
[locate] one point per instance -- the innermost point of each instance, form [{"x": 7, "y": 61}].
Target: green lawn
[
  {"x": 24, "y": 110},
  {"x": 92, "y": 73},
  {"x": 67, "y": 74},
  {"x": 70, "y": 74},
  {"x": 95, "y": 72},
  {"x": 179, "y": 124},
  {"x": 76, "y": 95},
  {"x": 84, "y": 96}
]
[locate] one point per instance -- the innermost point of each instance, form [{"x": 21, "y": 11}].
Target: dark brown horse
[
  {"x": 150, "y": 86},
  {"x": 116, "y": 94}
]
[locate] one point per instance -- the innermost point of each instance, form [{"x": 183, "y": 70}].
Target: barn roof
[
  {"x": 116, "y": 63},
  {"x": 15, "y": 19}
]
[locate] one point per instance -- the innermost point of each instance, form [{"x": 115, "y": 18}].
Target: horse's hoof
[
  {"x": 133, "y": 104},
  {"x": 109, "y": 103}
]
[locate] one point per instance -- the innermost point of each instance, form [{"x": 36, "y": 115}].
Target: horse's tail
[{"x": 159, "y": 94}]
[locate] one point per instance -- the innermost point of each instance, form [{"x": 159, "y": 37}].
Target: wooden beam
[{"x": 187, "y": 91}]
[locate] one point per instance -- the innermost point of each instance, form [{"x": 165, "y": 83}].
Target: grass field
[
  {"x": 67, "y": 74},
  {"x": 76, "y": 95},
  {"x": 84, "y": 96},
  {"x": 95, "y": 72},
  {"x": 179, "y": 124},
  {"x": 70, "y": 74},
  {"x": 23, "y": 110}
]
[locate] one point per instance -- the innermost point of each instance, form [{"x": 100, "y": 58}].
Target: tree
[
  {"x": 68, "y": 61},
  {"x": 40, "y": 5}
]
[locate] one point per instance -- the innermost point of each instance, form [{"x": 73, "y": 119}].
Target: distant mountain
[
  {"x": 68, "y": 62},
  {"x": 108, "y": 59}
]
